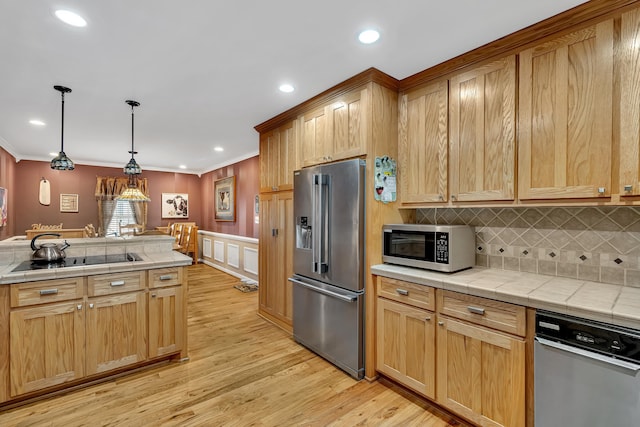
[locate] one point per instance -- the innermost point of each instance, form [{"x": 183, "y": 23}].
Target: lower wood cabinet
[
  {"x": 481, "y": 373},
  {"x": 464, "y": 352},
  {"x": 64, "y": 330},
  {"x": 406, "y": 345},
  {"x": 46, "y": 347}
]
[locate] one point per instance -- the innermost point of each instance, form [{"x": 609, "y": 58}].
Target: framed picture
[
  {"x": 175, "y": 205},
  {"x": 68, "y": 203},
  {"x": 225, "y": 199},
  {"x": 3, "y": 207}
]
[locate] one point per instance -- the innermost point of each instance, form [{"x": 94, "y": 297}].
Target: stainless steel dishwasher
[{"x": 586, "y": 373}]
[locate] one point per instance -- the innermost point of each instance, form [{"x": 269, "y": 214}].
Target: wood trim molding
[
  {"x": 512, "y": 43},
  {"x": 370, "y": 75}
]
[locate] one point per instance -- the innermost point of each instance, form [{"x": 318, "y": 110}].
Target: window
[{"x": 123, "y": 214}]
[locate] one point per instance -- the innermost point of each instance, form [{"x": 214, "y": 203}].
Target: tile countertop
[
  {"x": 154, "y": 253},
  {"x": 619, "y": 305}
]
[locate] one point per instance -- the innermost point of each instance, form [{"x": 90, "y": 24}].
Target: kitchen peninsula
[{"x": 65, "y": 324}]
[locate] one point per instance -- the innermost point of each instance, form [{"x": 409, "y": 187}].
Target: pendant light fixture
[
  {"x": 132, "y": 193},
  {"x": 61, "y": 162}
]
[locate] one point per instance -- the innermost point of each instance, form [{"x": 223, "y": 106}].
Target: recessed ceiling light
[
  {"x": 182, "y": 167},
  {"x": 286, "y": 88},
  {"x": 53, "y": 154},
  {"x": 369, "y": 36},
  {"x": 71, "y": 18},
  {"x": 218, "y": 149},
  {"x": 36, "y": 122}
]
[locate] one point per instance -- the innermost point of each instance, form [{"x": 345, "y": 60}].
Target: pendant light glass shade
[
  {"x": 132, "y": 168},
  {"x": 61, "y": 161},
  {"x": 132, "y": 193}
]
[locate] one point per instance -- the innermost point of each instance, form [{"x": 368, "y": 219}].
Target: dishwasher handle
[
  {"x": 633, "y": 367},
  {"x": 331, "y": 294}
]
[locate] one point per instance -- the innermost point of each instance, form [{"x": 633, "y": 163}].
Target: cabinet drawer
[
  {"x": 162, "y": 277},
  {"x": 409, "y": 293},
  {"x": 497, "y": 315},
  {"x": 33, "y": 293},
  {"x": 115, "y": 283}
]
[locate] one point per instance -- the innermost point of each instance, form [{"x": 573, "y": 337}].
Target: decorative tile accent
[{"x": 600, "y": 244}]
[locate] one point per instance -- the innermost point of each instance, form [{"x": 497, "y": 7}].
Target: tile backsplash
[{"x": 600, "y": 244}]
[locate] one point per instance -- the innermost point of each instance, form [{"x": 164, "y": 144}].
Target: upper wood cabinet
[
  {"x": 336, "y": 131},
  {"x": 565, "y": 116},
  {"x": 630, "y": 104},
  {"x": 422, "y": 144},
  {"x": 278, "y": 158},
  {"x": 482, "y": 112}
]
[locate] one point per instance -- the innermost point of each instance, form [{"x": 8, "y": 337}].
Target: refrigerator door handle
[
  {"x": 320, "y": 217},
  {"x": 323, "y": 291}
]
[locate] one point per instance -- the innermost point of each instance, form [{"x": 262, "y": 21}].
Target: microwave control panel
[{"x": 442, "y": 248}]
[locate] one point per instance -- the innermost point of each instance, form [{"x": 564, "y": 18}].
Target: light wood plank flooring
[{"x": 243, "y": 371}]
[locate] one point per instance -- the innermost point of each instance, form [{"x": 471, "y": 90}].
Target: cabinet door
[
  {"x": 47, "y": 346},
  {"x": 316, "y": 137},
  {"x": 565, "y": 111},
  {"x": 629, "y": 153},
  {"x": 482, "y": 114},
  {"x": 405, "y": 343},
  {"x": 423, "y": 144},
  {"x": 348, "y": 120},
  {"x": 116, "y": 331},
  {"x": 166, "y": 332},
  {"x": 481, "y": 373},
  {"x": 276, "y": 255},
  {"x": 278, "y": 158}
]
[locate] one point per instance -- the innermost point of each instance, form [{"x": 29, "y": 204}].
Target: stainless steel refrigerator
[{"x": 328, "y": 262}]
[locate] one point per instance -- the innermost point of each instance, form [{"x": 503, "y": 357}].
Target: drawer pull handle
[
  {"x": 402, "y": 292},
  {"x": 427, "y": 319},
  {"x": 475, "y": 310},
  {"x": 48, "y": 291},
  {"x": 166, "y": 277},
  {"x": 117, "y": 283}
]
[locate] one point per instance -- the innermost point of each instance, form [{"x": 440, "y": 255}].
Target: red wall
[
  {"x": 82, "y": 181},
  {"x": 7, "y": 181},
  {"x": 22, "y": 181},
  {"x": 247, "y": 188}
]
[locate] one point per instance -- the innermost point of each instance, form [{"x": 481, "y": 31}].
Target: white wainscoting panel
[
  {"x": 206, "y": 247},
  {"x": 233, "y": 255},
  {"x": 251, "y": 260},
  {"x": 218, "y": 250}
]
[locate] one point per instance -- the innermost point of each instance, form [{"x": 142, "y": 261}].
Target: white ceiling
[{"x": 206, "y": 72}]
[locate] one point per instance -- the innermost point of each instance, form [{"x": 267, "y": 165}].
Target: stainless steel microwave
[{"x": 446, "y": 248}]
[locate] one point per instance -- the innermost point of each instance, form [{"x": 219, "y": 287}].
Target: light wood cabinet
[
  {"x": 278, "y": 158},
  {"x": 423, "y": 140},
  {"x": 336, "y": 131},
  {"x": 276, "y": 257},
  {"x": 481, "y": 373},
  {"x": 47, "y": 346},
  {"x": 64, "y": 330},
  {"x": 167, "y": 311},
  {"x": 481, "y": 369},
  {"x": 405, "y": 342},
  {"x": 116, "y": 331},
  {"x": 482, "y": 132},
  {"x": 629, "y": 153},
  {"x": 566, "y": 115}
]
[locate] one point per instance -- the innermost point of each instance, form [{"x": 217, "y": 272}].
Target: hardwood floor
[{"x": 242, "y": 371}]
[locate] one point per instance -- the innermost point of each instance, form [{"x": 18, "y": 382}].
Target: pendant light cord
[{"x": 62, "y": 127}]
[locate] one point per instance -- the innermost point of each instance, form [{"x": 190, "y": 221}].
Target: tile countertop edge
[
  {"x": 148, "y": 262},
  {"x": 463, "y": 282}
]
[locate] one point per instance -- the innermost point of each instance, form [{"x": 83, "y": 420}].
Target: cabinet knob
[
  {"x": 453, "y": 197},
  {"x": 441, "y": 197},
  {"x": 427, "y": 319},
  {"x": 153, "y": 295},
  {"x": 90, "y": 305},
  {"x": 79, "y": 306},
  {"x": 628, "y": 188},
  {"x": 601, "y": 190},
  {"x": 441, "y": 323}
]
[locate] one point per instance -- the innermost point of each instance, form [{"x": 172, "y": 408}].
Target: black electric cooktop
[{"x": 78, "y": 262}]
